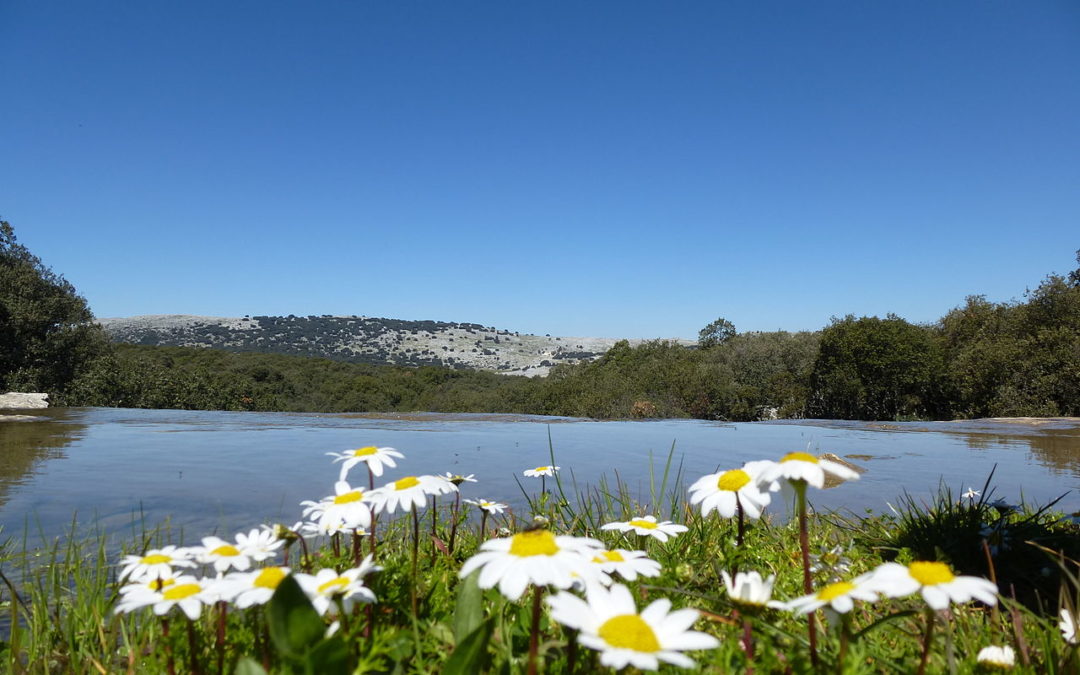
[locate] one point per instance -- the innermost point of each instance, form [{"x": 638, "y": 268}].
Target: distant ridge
[{"x": 363, "y": 339}]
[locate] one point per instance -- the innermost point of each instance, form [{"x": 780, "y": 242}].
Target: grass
[{"x": 58, "y": 598}]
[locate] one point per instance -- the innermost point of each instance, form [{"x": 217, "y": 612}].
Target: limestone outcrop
[{"x": 20, "y": 401}]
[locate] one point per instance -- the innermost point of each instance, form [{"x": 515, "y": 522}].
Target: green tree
[
  {"x": 716, "y": 333},
  {"x": 47, "y": 332}
]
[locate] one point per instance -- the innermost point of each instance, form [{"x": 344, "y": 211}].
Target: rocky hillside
[{"x": 365, "y": 340}]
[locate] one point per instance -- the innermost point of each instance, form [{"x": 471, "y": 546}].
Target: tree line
[{"x": 982, "y": 359}]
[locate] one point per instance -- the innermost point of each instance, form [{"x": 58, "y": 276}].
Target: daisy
[
  {"x": 485, "y": 505},
  {"x": 796, "y": 466},
  {"x": 935, "y": 581},
  {"x": 532, "y": 557},
  {"x": 327, "y": 586},
  {"x": 750, "y": 590},
  {"x": 408, "y": 492},
  {"x": 186, "y": 591},
  {"x": 610, "y": 623},
  {"x": 627, "y": 564},
  {"x": 971, "y": 493},
  {"x": 221, "y": 554},
  {"x": 458, "y": 479},
  {"x": 839, "y": 596},
  {"x": 145, "y": 586},
  {"x": 996, "y": 658},
  {"x": 245, "y": 589},
  {"x": 157, "y": 562},
  {"x": 647, "y": 526},
  {"x": 720, "y": 491},
  {"x": 347, "y": 506},
  {"x": 541, "y": 471},
  {"x": 1068, "y": 626},
  {"x": 259, "y": 544},
  {"x": 375, "y": 458}
]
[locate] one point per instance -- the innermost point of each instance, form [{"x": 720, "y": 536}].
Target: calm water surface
[{"x": 222, "y": 471}]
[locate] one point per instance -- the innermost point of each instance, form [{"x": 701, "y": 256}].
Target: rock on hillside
[{"x": 365, "y": 339}]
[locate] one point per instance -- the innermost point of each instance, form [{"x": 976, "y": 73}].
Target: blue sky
[{"x": 625, "y": 169}]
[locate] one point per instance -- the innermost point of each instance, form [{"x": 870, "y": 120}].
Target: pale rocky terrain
[{"x": 366, "y": 340}]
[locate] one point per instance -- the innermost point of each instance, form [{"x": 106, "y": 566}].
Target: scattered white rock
[{"x": 18, "y": 401}]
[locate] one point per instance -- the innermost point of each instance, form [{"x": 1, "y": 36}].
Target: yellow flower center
[
  {"x": 406, "y": 483},
  {"x": 629, "y": 631},
  {"x": 534, "y": 542},
  {"x": 609, "y": 556},
  {"x": 349, "y": 497},
  {"x": 834, "y": 591},
  {"x": 269, "y": 578},
  {"x": 541, "y": 468},
  {"x": 228, "y": 550},
  {"x": 733, "y": 480},
  {"x": 158, "y": 584},
  {"x": 799, "y": 457},
  {"x": 332, "y": 585},
  {"x": 182, "y": 591},
  {"x": 930, "y": 573},
  {"x": 646, "y": 524},
  {"x": 155, "y": 559},
  {"x": 365, "y": 451}
]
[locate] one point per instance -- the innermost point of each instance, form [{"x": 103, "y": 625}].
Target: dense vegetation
[{"x": 981, "y": 359}]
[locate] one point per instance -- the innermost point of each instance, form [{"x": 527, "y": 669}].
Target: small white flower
[
  {"x": 187, "y": 592},
  {"x": 326, "y": 586},
  {"x": 259, "y": 544},
  {"x": 1068, "y": 626},
  {"x": 610, "y": 623},
  {"x": 997, "y": 658},
  {"x": 221, "y": 554},
  {"x": 627, "y": 564},
  {"x": 348, "y": 506},
  {"x": 458, "y": 479},
  {"x": 647, "y": 526},
  {"x": 374, "y": 457},
  {"x": 157, "y": 562},
  {"x": 750, "y": 590},
  {"x": 839, "y": 596},
  {"x": 541, "y": 471},
  {"x": 971, "y": 493},
  {"x": 532, "y": 557},
  {"x": 486, "y": 505},
  {"x": 245, "y": 589},
  {"x": 719, "y": 491},
  {"x": 803, "y": 466},
  {"x": 408, "y": 492},
  {"x": 935, "y": 581}
]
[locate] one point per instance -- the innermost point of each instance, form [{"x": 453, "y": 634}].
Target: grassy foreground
[{"x": 60, "y": 601}]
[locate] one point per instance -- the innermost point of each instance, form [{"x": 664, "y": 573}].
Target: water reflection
[{"x": 28, "y": 440}]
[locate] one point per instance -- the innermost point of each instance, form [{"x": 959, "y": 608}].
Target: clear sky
[{"x": 623, "y": 169}]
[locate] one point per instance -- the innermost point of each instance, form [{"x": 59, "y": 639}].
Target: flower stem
[
  {"x": 742, "y": 526},
  {"x": 845, "y": 638},
  {"x": 415, "y": 550},
  {"x": 193, "y": 649},
  {"x": 534, "y": 635},
  {"x": 454, "y": 520},
  {"x": 927, "y": 638},
  {"x": 170, "y": 664},
  {"x": 371, "y": 486},
  {"x": 222, "y": 608},
  {"x": 808, "y": 584},
  {"x": 483, "y": 524}
]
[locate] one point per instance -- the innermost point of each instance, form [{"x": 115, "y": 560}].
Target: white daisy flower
[
  {"x": 627, "y": 564},
  {"x": 408, "y": 492},
  {"x": 532, "y": 557},
  {"x": 647, "y": 526},
  {"x": 806, "y": 467},
  {"x": 458, "y": 479},
  {"x": 187, "y": 592},
  {"x": 221, "y": 554},
  {"x": 1068, "y": 626},
  {"x": 326, "y": 586},
  {"x": 486, "y": 505},
  {"x": 610, "y": 623},
  {"x": 245, "y": 589},
  {"x": 141, "y": 588},
  {"x": 157, "y": 562},
  {"x": 348, "y": 506},
  {"x": 719, "y": 491},
  {"x": 375, "y": 458},
  {"x": 839, "y": 596},
  {"x": 259, "y": 545},
  {"x": 541, "y": 471},
  {"x": 971, "y": 493},
  {"x": 935, "y": 581},
  {"x": 750, "y": 590},
  {"x": 996, "y": 658},
  {"x": 329, "y": 528}
]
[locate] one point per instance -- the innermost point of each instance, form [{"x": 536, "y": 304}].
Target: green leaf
[
  {"x": 295, "y": 626},
  {"x": 328, "y": 657},
  {"x": 469, "y": 612},
  {"x": 248, "y": 666},
  {"x": 469, "y": 655}
]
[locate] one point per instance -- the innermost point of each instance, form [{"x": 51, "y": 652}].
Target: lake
[{"x": 223, "y": 471}]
